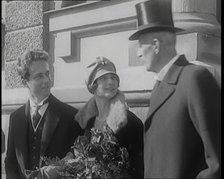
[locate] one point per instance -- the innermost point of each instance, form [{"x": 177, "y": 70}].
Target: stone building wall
[{"x": 24, "y": 30}]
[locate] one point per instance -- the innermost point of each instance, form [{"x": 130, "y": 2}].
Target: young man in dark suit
[
  {"x": 44, "y": 126},
  {"x": 183, "y": 126}
]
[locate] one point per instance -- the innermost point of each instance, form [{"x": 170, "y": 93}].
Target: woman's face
[{"x": 107, "y": 85}]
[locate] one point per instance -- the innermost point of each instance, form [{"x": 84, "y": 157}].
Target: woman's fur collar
[{"x": 116, "y": 119}]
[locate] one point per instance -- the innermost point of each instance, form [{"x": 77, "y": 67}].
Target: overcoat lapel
[
  {"x": 51, "y": 121},
  {"x": 166, "y": 88},
  {"x": 159, "y": 97},
  {"x": 21, "y": 140}
]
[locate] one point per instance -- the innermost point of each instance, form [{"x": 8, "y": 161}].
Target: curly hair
[{"x": 25, "y": 61}]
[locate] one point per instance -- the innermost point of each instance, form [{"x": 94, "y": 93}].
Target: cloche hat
[{"x": 97, "y": 69}]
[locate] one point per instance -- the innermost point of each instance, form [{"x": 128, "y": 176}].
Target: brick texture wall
[{"x": 24, "y": 30}]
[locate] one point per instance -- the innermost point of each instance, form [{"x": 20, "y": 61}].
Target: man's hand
[
  {"x": 31, "y": 174},
  {"x": 48, "y": 172}
]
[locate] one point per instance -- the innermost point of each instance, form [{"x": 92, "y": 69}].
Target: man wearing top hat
[{"x": 182, "y": 137}]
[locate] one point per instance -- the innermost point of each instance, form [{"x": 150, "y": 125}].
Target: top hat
[
  {"x": 154, "y": 15},
  {"x": 100, "y": 67}
]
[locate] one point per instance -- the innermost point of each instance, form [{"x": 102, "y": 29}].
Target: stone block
[
  {"x": 195, "y": 6},
  {"x": 17, "y": 42},
  {"x": 63, "y": 42},
  {"x": 22, "y": 14},
  {"x": 12, "y": 78},
  {"x": 203, "y": 48}
]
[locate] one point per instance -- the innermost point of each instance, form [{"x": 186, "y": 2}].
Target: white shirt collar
[
  {"x": 42, "y": 108},
  {"x": 160, "y": 76},
  {"x": 33, "y": 105}
]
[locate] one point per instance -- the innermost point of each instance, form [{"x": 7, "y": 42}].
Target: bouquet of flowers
[{"x": 97, "y": 154}]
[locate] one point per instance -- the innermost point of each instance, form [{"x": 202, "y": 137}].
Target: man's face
[
  {"x": 146, "y": 51},
  {"x": 39, "y": 83}
]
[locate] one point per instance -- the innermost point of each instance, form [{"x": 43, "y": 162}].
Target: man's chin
[
  {"x": 46, "y": 94},
  {"x": 46, "y": 90},
  {"x": 150, "y": 69}
]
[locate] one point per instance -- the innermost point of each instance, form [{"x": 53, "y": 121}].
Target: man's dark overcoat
[{"x": 183, "y": 127}]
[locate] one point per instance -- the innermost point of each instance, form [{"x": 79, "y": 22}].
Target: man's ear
[{"x": 156, "y": 44}]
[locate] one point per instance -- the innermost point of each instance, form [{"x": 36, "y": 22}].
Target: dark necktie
[{"x": 37, "y": 116}]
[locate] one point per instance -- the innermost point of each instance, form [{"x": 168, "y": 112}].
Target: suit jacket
[
  {"x": 59, "y": 132},
  {"x": 183, "y": 127}
]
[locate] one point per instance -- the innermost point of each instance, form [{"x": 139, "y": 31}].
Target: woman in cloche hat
[{"x": 108, "y": 107}]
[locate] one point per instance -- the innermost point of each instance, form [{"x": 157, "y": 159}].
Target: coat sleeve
[
  {"x": 131, "y": 137},
  {"x": 75, "y": 128},
  {"x": 138, "y": 159},
  {"x": 204, "y": 101},
  {"x": 11, "y": 164}
]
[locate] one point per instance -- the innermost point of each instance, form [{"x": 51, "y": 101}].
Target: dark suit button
[
  {"x": 34, "y": 157},
  {"x": 35, "y": 138},
  {"x": 34, "y": 147}
]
